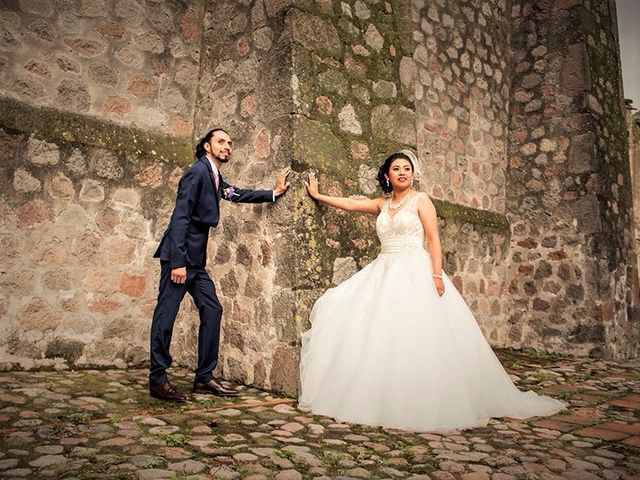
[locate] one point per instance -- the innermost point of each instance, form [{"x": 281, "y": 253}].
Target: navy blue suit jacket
[{"x": 198, "y": 209}]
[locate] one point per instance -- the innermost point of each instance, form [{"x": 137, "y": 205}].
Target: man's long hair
[{"x": 200, "y": 151}]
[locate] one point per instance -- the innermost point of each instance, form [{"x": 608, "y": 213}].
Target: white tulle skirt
[{"x": 385, "y": 349}]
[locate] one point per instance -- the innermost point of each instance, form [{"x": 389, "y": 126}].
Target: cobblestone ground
[{"x": 103, "y": 425}]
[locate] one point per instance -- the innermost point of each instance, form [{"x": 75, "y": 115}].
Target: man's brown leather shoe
[
  {"x": 214, "y": 387},
  {"x": 165, "y": 391}
]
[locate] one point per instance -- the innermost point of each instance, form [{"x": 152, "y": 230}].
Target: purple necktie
[{"x": 216, "y": 180}]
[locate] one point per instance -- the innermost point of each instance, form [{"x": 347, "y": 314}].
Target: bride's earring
[{"x": 388, "y": 183}]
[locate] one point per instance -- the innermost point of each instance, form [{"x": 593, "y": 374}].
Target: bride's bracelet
[{"x": 437, "y": 276}]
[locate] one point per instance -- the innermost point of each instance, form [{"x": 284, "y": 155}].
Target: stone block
[
  {"x": 107, "y": 305},
  {"x": 25, "y": 87},
  {"x": 85, "y": 48},
  {"x": 24, "y": 182},
  {"x": 37, "y": 315},
  {"x": 132, "y": 285},
  {"x": 105, "y": 164},
  {"x": 334, "y": 81},
  {"x": 70, "y": 350},
  {"x": 262, "y": 143},
  {"x": 61, "y": 187},
  {"x": 130, "y": 56},
  {"x": 284, "y": 376},
  {"x": 91, "y": 191},
  {"x": 283, "y": 315},
  {"x": 73, "y": 95},
  {"x": 111, "y": 30},
  {"x": 39, "y": 69},
  {"x": 67, "y": 64},
  {"x": 142, "y": 87},
  {"x": 72, "y": 218},
  {"x": 97, "y": 280},
  {"x": 126, "y": 198},
  {"x": 586, "y": 210},
  {"x": 32, "y": 213},
  {"x": 385, "y": 89},
  {"x": 150, "y": 176},
  {"x": 343, "y": 268},
  {"x": 566, "y": 4},
  {"x": 394, "y": 123},
  {"x": 120, "y": 250},
  {"x": 582, "y": 154},
  {"x": 313, "y": 33},
  {"x": 103, "y": 74},
  {"x": 234, "y": 334},
  {"x": 575, "y": 75},
  {"x": 349, "y": 121},
  {"x": 58, "y": 279},
  {"x": 149, "y": 41},
  {"x": 42, "y": 153},
  {"x": 191, "y": 26},
  {"x": 319, "y": 147}
]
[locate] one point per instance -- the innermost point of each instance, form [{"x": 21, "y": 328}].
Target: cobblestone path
[{"x": 103, "y": 425}]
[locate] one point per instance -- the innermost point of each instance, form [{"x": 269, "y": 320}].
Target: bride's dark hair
[
  {"x": 384, "y": 170},
  {"x": 200, "y": 151}
]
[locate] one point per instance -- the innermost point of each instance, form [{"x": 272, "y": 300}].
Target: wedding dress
[{"x": 385, "y": 349}]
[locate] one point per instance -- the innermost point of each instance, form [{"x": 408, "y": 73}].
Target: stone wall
[
  {"x": 460, "y": 90},
  {"x": 633, "y": 126},
  {"x": 126, "y": 61},
  {"x": 511, "y": 106},
  {"x": 87, "y": 294},
  {"x": 245, "y": 86},
  {"x": 79, "y": 226},
  {"x": 569, "y": 192},
  {"x": 461, "y": 99},
  {"x": 362, "y": 89}
]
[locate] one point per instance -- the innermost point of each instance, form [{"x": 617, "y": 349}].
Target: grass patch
[
  {"x": 174, "y": 439},
  {"x": 178, "y": 476},
  {"x": 331, "y": 459},
  {"x": 543, "y": 376},
  {"x": 113, "y": 418},
  {"x": 564, "y": 395},
  {"x": 284, "y": 454},
  {"x": 79, "y": 418},
  {"x": 152, "y": 462}
]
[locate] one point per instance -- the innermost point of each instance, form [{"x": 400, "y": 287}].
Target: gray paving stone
[
  {"x": 48, "y": 460},
  {"x": 154, "y": 474},
  {"x": 187, "y": 466},
  {"x": 224, "y": 473},
  {"x": 288, "y": 475},
  {"x": 8, "y": 463},
  {"x": 17, "y": 473},
  {"x": 49, "y": 449}
]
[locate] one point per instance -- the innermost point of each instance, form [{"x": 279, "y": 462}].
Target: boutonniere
[{"x": 228, "y": 193}]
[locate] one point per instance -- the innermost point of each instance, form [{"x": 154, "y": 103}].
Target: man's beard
[{"x": 223, "y": 159}]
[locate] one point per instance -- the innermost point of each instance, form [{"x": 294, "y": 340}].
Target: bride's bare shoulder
[{"x": 425, "y": 203}]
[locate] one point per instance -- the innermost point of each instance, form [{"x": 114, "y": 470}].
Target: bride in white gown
[{"x": 396, "y": 345}]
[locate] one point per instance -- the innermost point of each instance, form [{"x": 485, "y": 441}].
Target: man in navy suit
[{"x": 183, "y": 255}]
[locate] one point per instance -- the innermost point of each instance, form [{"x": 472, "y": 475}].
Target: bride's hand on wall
[{"x": 312, "y": 185}]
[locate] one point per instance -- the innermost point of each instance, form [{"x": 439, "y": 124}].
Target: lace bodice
[{"x": 401, "y": 232}]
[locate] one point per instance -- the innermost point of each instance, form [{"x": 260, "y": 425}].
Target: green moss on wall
[
  {"x": 57, "y": 126},
  {"x": 460, "y": 213}
]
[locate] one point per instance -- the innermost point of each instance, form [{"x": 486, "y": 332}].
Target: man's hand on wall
[{"x": 281, "y": 183}]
